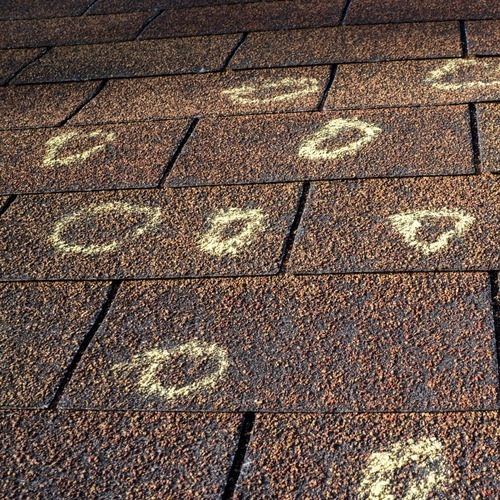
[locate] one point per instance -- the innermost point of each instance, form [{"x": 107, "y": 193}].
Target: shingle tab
[
  {"x": 348, "y": 44},
  {"x": 415, "y": 83},
  {"x": 307, "y": 343},
  {"x": 41, "y": 105},
  {"x": 251, "y": 16},
  {"x": 27, "y": 9},
  {"x": 484, "y": 37},
  {"x": 228, "y": 93},
  {"x": 125, "y": 59},
  {"x": 417, "y": 455},
  {"x": 397, "y": 11},
  {"x": 489, "y": 136},
  {"x": 437, "y": 223},
  {"x": 327, "y": 145},
  {"x": 86, "y": 158},
  {"x": 71, "y": 30},
  {"x": 114, "y": 454},
  {"x": 139, "y": 234}
]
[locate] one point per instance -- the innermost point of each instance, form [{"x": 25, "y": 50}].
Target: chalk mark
[
  {"x": 409, "y": 223},
  {"x": 149, "y": 366},
  {"x": 154, "y": 215}
]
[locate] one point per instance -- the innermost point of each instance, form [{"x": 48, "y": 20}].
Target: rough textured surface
[
  {"x": 144, "y": 58},
  {"x": 245, "y": 17},
  {"x": 348, "y": 44},
  {"x": 27, "y": 9},
  {"x": 71, "y": 30},
  {"x": 147, "y": 233},
  {"x": 408, "y": 83},
  {"x": 296, "y": 146},
  {"x": 446, "y": 223},
  {"x": 484, "y": 37},
  {"x": 438, "y": 455},
  {"x": 288, "y": 89},
  {"x": 41, "y": 105},
  {"x": 489, "y": 136},
  {"x": 84, "y": 158},
  {"x": 107, "y": 6},
  {"x": 13, "y": 60},
  {"x": 397, "y": 11},
  {"x": 294, "y": 344},
  {"x": 114, "y": 454},
  {"x": 42, "y": 326}
]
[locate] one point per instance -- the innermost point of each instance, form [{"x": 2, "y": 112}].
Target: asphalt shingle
[
  {"x": 247, "y": 16},
  {"x": 348, "y": 44},
  {"x": 308, "y": 343},
  {"x": 415, "y": 83},
  {"x": 42, "y": 327},
  {"x": 114, "y": 454},
  {"x": 41, "y": 105},
  {"x": 125, "y": 59},
  {"x": 147, "y": 234},
  {"x": 87, "y": 158},
  {"x": 327, "y": 145},
  {"x": 71, "y": 30},
  {"x": 417, "y": 455},
  {"x": 425, "y": 224},
  {"x": 228, "y": 93}
]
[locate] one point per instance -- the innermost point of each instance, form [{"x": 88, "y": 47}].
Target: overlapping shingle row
[{"x": 278, "y": 278}]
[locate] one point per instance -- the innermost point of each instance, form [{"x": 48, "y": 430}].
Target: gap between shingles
[
  {"x": 241, "y": 41},
  {"x": 78, "y": 108},
  {"x": 343, "y": 14},
  {"x": 147, "y": 23},
  {"x": 7, "y": 204},
  {"x": 290, "y": 239},
  {"x": 495, "y": 301},
  {"x": 464, "y": 42},
  {"x": 474, "y": 130},
  {"x": 239, "y": 457},
  {"x": 177, "y": 152},
  {"x": 328, "y": 85},
  {"x": 45, "y": 50},
  {"x": 113, "y": 290}
]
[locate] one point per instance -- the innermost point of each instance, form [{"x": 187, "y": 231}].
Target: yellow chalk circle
[
  {"x": 215, "y": 242},
  {"x": 425, "y": 454},
  {"x": 437, "y": 76},
  {"x": 299, "y": 88},
  {"x": 55, "y": 144},
  {"x": 409, "y": 223},
  {"x": 312, "y": 149},
  {"x": 153, "y": 214},
  {"x": 149, "y": 366}
]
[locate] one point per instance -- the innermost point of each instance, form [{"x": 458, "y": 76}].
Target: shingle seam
[
  {"x": 239, "y": 457},
  {"x": 113, "y": 290},
  {"x": 290, "y": 239},
  {"x": 495, "y": 300},
  {"x": 476, "y": 150},
  {"x": 177, "y": 152},
  {"x": 45, "y": 50}
]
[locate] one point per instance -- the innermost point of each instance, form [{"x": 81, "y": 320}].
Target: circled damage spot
[
  {"x": 56, "y": 144},
  {"x": 153, "y": 218},
  {"x": 424, "y": 456},
  {"x": 445, "y": 77},
  {"x": 285, "y": 89},
  {"x": 409, "y": 224},
  {"x": 313, "y": 148},
  {"x": 148, "y": 366},
  {"x": 219, "y": 241}
]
